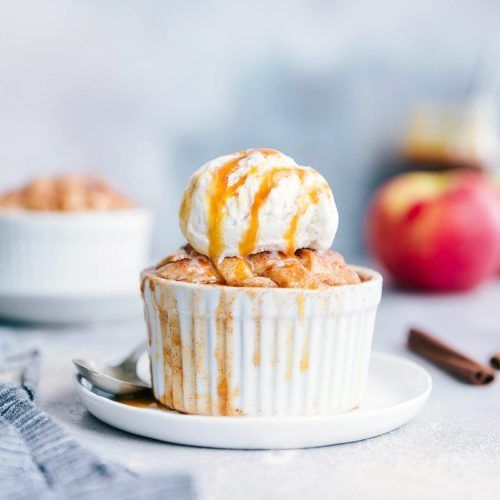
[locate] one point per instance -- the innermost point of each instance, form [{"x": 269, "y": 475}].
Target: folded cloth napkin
[{"x": 39, "y": 459}]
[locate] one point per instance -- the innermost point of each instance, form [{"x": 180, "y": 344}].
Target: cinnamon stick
[
  {"x": 450, "y": 360},
  {"x": 495, "y": 360}
]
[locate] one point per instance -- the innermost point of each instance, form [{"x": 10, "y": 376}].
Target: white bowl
[
  {"x": 92, "y": 254},
  {"x": 219, "y": 350}
]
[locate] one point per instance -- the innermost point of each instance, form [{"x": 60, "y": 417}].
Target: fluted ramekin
[
  {"x": 219, "y": 350},
  {"x": 59, "y": 253}
]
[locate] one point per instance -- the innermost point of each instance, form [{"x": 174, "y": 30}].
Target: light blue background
[{"x": 147, "y": 91}]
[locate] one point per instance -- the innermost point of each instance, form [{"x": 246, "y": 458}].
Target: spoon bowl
[{"x": 120, "y": 379}]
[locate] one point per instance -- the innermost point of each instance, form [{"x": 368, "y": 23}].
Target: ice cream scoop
[{"x": 257, "y": 200}]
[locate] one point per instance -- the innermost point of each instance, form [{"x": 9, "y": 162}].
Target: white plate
[
  {"x": 397, "y": 390},
  {"x": 69, "y": 308}
]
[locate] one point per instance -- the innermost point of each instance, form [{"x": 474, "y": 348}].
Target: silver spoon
[{"x": 121, "y": 379}]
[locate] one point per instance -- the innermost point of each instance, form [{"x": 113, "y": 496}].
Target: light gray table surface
[{"x": 452, "y": 448}]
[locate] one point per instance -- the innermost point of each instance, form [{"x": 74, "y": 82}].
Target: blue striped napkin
[{"x": 39, "y": 459}]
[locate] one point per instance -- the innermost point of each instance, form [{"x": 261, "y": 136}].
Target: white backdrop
[{"x": 147, "y": 91}]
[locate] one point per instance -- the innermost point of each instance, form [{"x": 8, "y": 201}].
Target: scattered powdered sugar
[{"x": 443, "y": 457}]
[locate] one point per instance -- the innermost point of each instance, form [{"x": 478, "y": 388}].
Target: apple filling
[
  {"x": 307, "y": 269},
  {"x": 66, "y": 193}
]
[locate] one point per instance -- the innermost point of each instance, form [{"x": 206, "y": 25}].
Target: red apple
[
  {"x": 497, "y": 188},
  {"x": 435, "y": 230}
]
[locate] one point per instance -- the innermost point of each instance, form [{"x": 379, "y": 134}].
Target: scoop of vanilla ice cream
[{"x": 257, "y": 200}]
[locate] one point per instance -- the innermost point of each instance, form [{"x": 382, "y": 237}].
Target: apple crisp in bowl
[
  {"x": 70, "y": 236},
  {"x": 256, "y": 316}
]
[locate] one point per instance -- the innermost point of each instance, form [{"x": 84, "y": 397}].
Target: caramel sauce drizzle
[
  {"x": 142, "y": 401},
  {"x": 313, "y": 197},
  {"x": 269, "y": 181},
  {"x": 242, "y": 272},
  {"x": 219, "y": 193},
  {"x": 187, "y": 202}
]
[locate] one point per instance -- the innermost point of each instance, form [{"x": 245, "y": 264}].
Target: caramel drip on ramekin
[
  {"x": 196, "y": 402},
  {"x": 304, "y": 357},
  {"x": 167, "y": 356},
  {"x": 223, "y": 352},
  {"x": 257, "y": 317},
  {"x": 289, "y": 349},
  {"x": 149, "y": 321},
  {"x": 168, "y": 316},
  {"x": 219, "y": 192}
]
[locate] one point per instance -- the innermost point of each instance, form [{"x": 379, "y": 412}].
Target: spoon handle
[{"x": 134, "y": 356}]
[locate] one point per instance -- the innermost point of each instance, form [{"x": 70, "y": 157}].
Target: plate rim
[{"x": 237, "y": 420}]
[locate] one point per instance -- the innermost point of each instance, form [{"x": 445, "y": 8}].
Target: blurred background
[{"x": 146, "y": 92}]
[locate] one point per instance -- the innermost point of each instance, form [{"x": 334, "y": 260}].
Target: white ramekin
[
  {"x": 218, "y": 350},
  {"x": 56, "y": 253}
]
